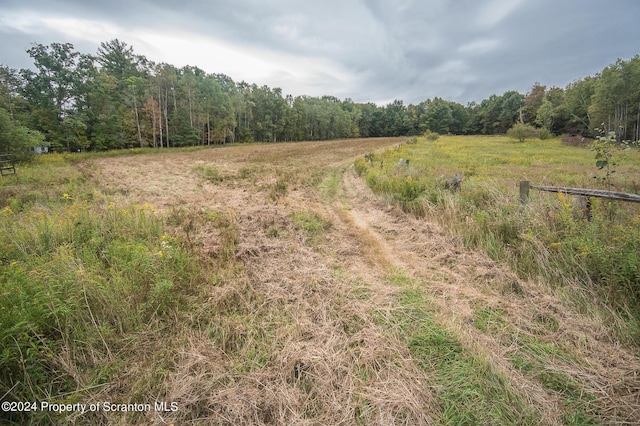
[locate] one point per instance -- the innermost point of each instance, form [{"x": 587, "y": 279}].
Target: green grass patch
[
  {"x": 311, "y": 223},
  {"x": 468, "y": 387},
  {"x": 534, "y": 358},
  {"x": 329, "y": 186},
  {"x": 209, "y": 173},
  {"x": 489, "y": 319}
]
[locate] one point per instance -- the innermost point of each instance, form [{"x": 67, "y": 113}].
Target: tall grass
[
  {"x": 542, "y": 238},
  {"x": 81, "y": 281}
]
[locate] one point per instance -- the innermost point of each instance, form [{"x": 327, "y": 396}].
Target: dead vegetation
[{"x": 320, "y": 302}]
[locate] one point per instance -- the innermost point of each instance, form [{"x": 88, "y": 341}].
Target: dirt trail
[{"x": 300, "y": 342}]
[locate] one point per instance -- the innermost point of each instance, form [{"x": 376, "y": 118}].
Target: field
[{"x": 268, "y": 284}]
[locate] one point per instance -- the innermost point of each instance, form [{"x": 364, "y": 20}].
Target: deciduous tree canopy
[{"x": 117, "y": 99}]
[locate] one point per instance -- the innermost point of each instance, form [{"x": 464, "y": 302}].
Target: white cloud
[
  {"x": 364, "y": 49},
  {"x": 493, "y": 12},
  {"x": 89, "y": 30},
  {"x": 479, "y": 46}
]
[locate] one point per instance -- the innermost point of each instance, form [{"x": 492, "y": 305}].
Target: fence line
[{"x": 525, "y": 185}]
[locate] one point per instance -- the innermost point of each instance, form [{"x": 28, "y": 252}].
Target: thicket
[
  {"x": 119, "y": 99},
  {"x": 544, "y": 238},
  {"x": 16, "y": 139}
]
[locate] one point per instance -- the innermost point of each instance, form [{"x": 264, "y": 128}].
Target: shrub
[
  {"x": 432, "y": 136},
  {"x": 16, "y": 139},
  {"x": 522, "y": 131},
  {"x": 544, "y": 134}
]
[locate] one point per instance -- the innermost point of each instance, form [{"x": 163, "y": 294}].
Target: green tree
[
  {"x": 394, "y": 121},
  {"x": 616, "y": 99},
  {"x": 532, "y": 101},
  {"x": 116, "y": 96},
  {"x": 510, "y": 103},
  {"x": 367, "y": 123},
  {"x": 58, "y": 89},
  {"x": 16, "y": 139},
  {"x": 459, "y": 118},
  {"x": 438, "y": 116},
  {"x": 578, "y": 96},
  {"x": 104, "y": 115},
  {"x": 545, "y": 115}
]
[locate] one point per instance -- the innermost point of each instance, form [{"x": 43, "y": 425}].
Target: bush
[
  {"x": 522, "y": 131},
  {"x": 17, "y": 139},
  {"x": 432, "y": 136},
  {"x": 544, "y": 134}
]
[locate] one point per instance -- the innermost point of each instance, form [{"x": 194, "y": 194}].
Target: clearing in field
[{"x": 267, "y": 284}]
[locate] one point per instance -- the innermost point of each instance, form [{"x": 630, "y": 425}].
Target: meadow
[{"x": 267, "y": 284}]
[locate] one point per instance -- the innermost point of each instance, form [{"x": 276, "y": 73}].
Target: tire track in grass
[
  {"x": 519, "y": 329},
  {"x": 282, "y": 334},
  {"x": 471, "y": 387}
]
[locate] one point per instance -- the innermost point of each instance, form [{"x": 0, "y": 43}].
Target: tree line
[{"x": 119, "y": 99}]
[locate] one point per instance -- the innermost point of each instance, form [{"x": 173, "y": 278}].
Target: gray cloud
[{"x": 368, "y": 50}]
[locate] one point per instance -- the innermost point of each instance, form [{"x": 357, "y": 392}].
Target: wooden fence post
[{"x": 524, "y": 191}]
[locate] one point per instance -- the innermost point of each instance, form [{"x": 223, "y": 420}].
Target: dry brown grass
[{"x": 288, "y": 329}]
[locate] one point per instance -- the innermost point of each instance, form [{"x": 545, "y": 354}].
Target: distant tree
[
  {"x": 459, "y": 118},
  {"x": 9, "y": 88},
  {"x": 367, "y": 122},
  {"x": 394, "y": 122},
  {"x": 545, "y": 115},
  {"x": 58, "y": 89},
  {"x": 117, "y": 59},
  {"x": 510, "y": 103},
  {"x": 616, "y": 99},
  {"x": 532, "y": 101},
  {"x": 578, "y": 98},
  {"x": 438, "y": 116}
]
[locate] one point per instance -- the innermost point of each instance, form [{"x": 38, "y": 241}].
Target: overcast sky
[{"x": 367, "y": 50}]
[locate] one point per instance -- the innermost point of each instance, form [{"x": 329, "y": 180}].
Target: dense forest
[{"x": 118, "y": 99}]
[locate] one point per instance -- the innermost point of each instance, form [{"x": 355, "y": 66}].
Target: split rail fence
[{"x": 525, "y": 186}]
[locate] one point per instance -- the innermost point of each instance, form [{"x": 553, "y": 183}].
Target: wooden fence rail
[
  {"x": 525, "y": 185},
  {"x": 6, "y": 165}
]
